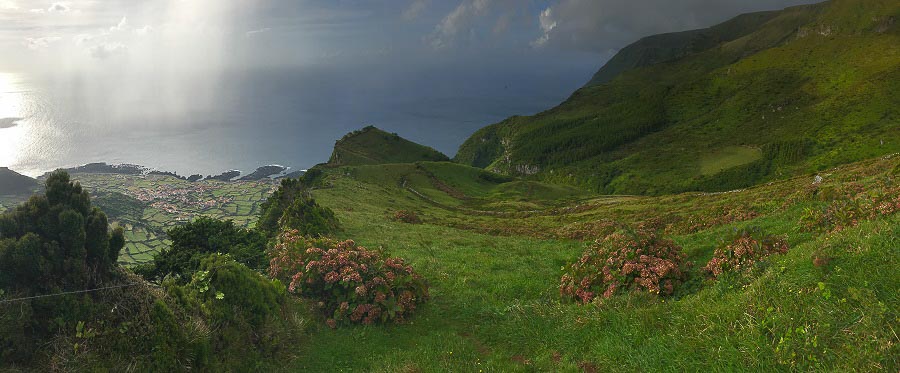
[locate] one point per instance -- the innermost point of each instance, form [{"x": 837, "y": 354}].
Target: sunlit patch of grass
[{"x": 728, "y": 157}]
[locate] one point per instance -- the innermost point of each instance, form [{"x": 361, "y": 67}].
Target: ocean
[{"x": 242, "y": 120}]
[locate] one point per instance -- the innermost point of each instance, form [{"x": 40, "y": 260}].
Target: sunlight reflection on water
[
  {"x": 12, "y": 125},
  {"x": 246, "y": 119}
]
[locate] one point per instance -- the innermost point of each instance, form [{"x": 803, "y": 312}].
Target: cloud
[
  {"x": 449, "y": 27},
  {"x": 143, "y": 30},
  {"x": 40, "y": 43},
  {"x": 599, "y": 25},
  {"x": 415, "y": 9},
  {"x": 252, "y": 33},
  {"x": 58, "y": 8},
  {"x": 104, "y": 51},
  {"x": 121, "y": 26},
  {"x": 547, "y": 24},
  {"x": 477, "y": 20},
  {"x": 9, "y": 122},
  {"x": 54, "y": 8},
  {"x": 503, "y": 24},
  {"x": 8, "y": 5}
]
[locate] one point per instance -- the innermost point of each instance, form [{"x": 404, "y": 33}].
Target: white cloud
[
  {"x": 143, "y": 30},
  {"x": 547, "y": 25},
  {"x": 503, "y": 24},
  {"x": 58, "y": 7},
  {"x": 8, "y": 5},
  {"x": 40, "y": 43},
  {"x": 121, "y": 26},
  {"x": 104, "y": 51},
  {"x": 473, "y": 18},
  {"x": 415, "y": 9},
  {"x": 252, "y": 33},
  {"x": 459, "y": 19}
]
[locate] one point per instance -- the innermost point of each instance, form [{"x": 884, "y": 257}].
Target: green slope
[
  {"x": 655, "y": 49},
  {"x": 371, "y": 145},
  {"x": 12, "y": 183},
  {"x": 806, "y": 88},
  {"x": 494, "y": 279}
]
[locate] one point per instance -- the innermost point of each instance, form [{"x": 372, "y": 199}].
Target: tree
[
  {"x": 291, "y": 207},
  {"x": 57, "y": 240},
  {"x": 198, "y": 239}
]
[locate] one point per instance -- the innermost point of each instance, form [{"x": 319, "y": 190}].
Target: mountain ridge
[
  {"x": 12, "y": 182},
  {"x": 807, "y": 89},
  {"x": 371, "y": 145}
]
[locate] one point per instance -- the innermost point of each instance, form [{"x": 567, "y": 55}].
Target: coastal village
[{"x": 148, "y": 205}]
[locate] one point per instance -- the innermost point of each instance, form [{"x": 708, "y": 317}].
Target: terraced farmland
[{"x": 146, "y": 206}]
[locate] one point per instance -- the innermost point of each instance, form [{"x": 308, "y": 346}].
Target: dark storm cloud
[
  {"x": 9, "y": 122},
  {"x": 603, "y": 25}
]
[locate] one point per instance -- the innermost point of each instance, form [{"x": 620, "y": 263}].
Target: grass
[
  {"x": 146, "y": 206},
  {"x": 493, "y": 248},
  {"x": 371, "y": 145},
  {"x": 728, "y": 157},
  {"x": 770, "y": 81},
  {"x": 495, "y": 304}
]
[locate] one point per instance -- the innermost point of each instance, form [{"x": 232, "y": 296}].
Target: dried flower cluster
[
  {"x": 850, "y": 205},
  {"x": 742, "y": 251},
  {"x": 350, "y": 283},
  {"x": 625, "y": 261},
  {"x": 407, "y": 216}
]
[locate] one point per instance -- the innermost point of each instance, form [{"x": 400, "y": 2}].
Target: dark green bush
[
  {"x": 56, "y": 241},
  {"x": 241, "y": 309},
  {"x": 195, "y": 240},
  {"x": 53, "y": 243},
  {"x": 291, "y": 207}
]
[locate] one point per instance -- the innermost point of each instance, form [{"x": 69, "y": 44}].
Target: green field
[
  {"x": 728, "y": 157},
  {"x": 495, "y": 275},
  {"x": 146, "y": 206}
]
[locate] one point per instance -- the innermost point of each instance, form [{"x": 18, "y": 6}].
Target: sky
[
  {"x": 180, "y": 36},
  {"x": 223, "y": 82}
]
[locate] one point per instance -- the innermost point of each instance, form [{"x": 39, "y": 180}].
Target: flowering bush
[
  {"x": 718, "y": 217},
  {"x": 849, "y": 206},
  {"x": 742, "y": 251},
  {"x": 351, "y": 283},
  {"x": 625, "y": 261},
  {"x": 407, "y": 216}
]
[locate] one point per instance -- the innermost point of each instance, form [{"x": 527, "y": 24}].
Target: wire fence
[
  {"x": 68, "y": 293},
  {"x": 22, "y": 299}
]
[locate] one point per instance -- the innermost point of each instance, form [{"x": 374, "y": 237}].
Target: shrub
[
  {"x": 57, "y": 240},
  {"x": 308, "y": 217},
  {"x": 350, "y": 283},
  {"x": 230, "y": 293},
  {"x": 742, "y": 251},
  {"x": 625, "y": 261},
  {"x": 291, "y": 207},
  {"x": 407, "y": 216},
  {"x": 241, "y": 313},
  {"x": 196, "y": 240},
  {"x": 849, "y": 205}
]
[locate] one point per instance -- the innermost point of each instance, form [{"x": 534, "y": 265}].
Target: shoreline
[{"x": 270, "y": 171}]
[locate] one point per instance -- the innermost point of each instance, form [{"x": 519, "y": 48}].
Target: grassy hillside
[
  {"x": 656, "y": 49},
  {"x": 371, "y": 145},
  {"x": 764, "y": 96},
  {"x": 828, "y": 304},
  {"x": 12, "y": 183}
]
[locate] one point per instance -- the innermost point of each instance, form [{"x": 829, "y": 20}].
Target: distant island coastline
[{"x": 263, "y": 172}]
